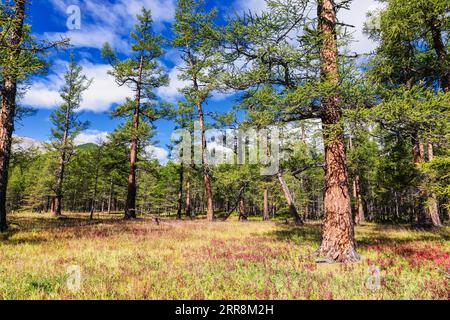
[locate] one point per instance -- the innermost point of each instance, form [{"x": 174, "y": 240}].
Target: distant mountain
[{"x": 25, "y": 143}]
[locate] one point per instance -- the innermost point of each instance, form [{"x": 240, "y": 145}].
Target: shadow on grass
[
  {"x": 298, "y": 235},
  {"x": 312, "y": 233},
  {"x": 24, "y": 224}
]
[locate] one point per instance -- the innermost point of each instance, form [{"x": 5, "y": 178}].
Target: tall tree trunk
[
  {"x": 57, "y": 210},
  {"x": 94, "y": 193},
  {"x": 180, "y": 191},
  {"x": 432, "y": 203},
  {"x": 110, "y": 197},
  {"x": 290, "y": 201},
  {"x": 422, "y": 213},
  {"x": 130, "y": 210},
  {"x": 243, "y": 216},
  {"x": 8, "y": 107},
  {"x": 359, "y": 209},
  {"x": 188, "y": 207},
  {"x": 266, "y": 213},
  {"x": 205, "y": 165},
  {"x": 338, "y": 242}
]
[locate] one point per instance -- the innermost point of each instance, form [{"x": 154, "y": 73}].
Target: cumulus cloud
[
  {"x": 91, "y": 136},
  {"x": 105, "y": 21},
  {"x": 172, "y": 92},
  {"x": 160, "y": 154},
  {"x": 253, "y": 5},
  {"x": 103, "y": 92},
  {"x": 357, "y": 16}
]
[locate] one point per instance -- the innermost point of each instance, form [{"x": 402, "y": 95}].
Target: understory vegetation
[{"x": 224, "y": 260}]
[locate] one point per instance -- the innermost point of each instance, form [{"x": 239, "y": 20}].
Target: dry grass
[{"x": 221, "y": 260}]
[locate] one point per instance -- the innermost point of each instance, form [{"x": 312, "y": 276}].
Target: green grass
[{"x": 221, "y": 260}]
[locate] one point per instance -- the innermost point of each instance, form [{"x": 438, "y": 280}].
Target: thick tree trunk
[
  {"x": 290, "y": 201},
  {"x": 242, "y": 210},
  {"x": 8, "y": 106},
  {"x": 180, "y": 191},
  {"x": 130, "y": 210},
  {"x": 338, "y": 243},
  {"x": 266, "y": 213},
  {"x": 432, "y": 203}
]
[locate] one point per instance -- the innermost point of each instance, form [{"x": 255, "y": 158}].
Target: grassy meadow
[{"x": 221, "y": 260}]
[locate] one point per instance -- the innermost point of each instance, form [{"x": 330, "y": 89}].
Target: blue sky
[{"x": 111, "y": 21}]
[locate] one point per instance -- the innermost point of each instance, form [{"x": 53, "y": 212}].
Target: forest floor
[{"x": 221, "y": 260}]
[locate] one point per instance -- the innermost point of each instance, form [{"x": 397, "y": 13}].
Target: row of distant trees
[{"x": 383, "y": 150}]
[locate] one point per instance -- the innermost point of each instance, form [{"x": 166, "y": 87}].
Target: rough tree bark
[
  {"x": 290, "y": 201},
  {"x": 130, "y": 210},
  {"x": 338, "y": 243},
  {"x": 8, "y": 106}
]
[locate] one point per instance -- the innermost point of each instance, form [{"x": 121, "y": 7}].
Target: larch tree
[
  {"x": 413, "y": 50},
  {"x": 292, "y": 72},
  {"x": 338, "y": 241},
  {"x": 195, "y": 37},
  {"x": 19, "y": 58},
  {"x": 66, "y": 125},
  {"x": 143, "y": 74}
]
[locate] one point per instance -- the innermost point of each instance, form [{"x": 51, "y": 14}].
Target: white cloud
[
  {"x": 104, "y": 21},
  {"x": 160, "y": 154},
  {"x": 172, "y": 92},
  {"x": 91, "y": 136},
  {"x": 102, "y": 93},
  {"x": 255, "y": 6},
  {"x": 357, "y": 16}
]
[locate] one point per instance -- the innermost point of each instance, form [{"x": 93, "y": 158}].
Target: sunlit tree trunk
[
  {"x": 205, "y": 165},
  {"x": 57, "y": 210},
  {"x": 188, "y": 207},
  {"x": 180, "y": 191},
  {"x": 432, "y": 203},
  {"x": 338, "y": 243},
  {"x": 110, "y": 197},
  {"x": 243, "y": 216},
  {"x": 290, "y": 201},
  {"x": 130, "y": 210},
  {"x": 359, "y": 209},
  {"x": 266, "y": 213}
]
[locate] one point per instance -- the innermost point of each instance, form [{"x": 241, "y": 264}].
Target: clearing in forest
[{"x": 221, "y": 260}]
